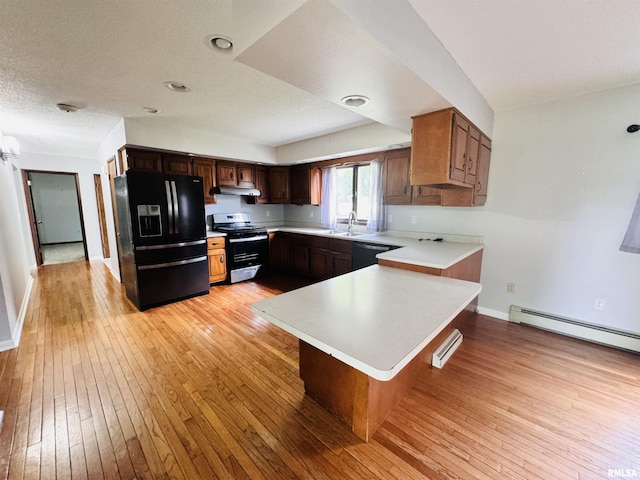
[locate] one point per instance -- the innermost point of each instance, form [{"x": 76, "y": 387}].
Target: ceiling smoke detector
[
  {"x": 177, "y": 87},
  {"x": 355, "y": 100},
  {"x": 66, "y": 107}
]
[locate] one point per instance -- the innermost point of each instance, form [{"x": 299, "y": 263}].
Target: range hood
[{"x": 247, "y": 192}]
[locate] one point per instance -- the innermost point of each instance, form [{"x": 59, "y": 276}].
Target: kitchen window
[{"x": 353, "y": 192}]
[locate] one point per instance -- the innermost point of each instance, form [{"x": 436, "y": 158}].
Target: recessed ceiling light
[
  {"x": 219, "y": 43},
  {"x": 354, "y": 100},
  {"x": 150, "y": 109},
  {"x": 66, "y": 107},
  {"x": 177, "y": 87}
]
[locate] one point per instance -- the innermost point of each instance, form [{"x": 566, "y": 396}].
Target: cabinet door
[
  {"x": 279, "y": 184},
  {"x": 206, "y": 168},
  {"x": 176, "y": 164},
  {"x": 422, "y": 195},
  {"x": 300, "y": 182},
  {"x": 482, "y": 176},
  {"x": 143, "y": 160},
  {"x": 278, "y": 250},
  {"x": 341, "y": 263},
  {"x": 246, "y": 174},
  {"x": 320, "y": 263},
  {"x": 217, "y": 265},
  {"x": 261, "y": 184},
  {"x": 397, "y": 190},
  {"x": 473, "y": 150},
  {"x": 457, "y": 169},
  {"x": 226, "y": 174}
]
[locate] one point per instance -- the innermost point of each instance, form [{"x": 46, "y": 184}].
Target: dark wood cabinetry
[
  {"x": 142, "y": 160},
  {"x": 278, "y": 251},
  {"x": 298, "y": 246},
  {"x": 278, "y": 179},
  {"x": 177, "y": 164},
  {"x": 262, "y": 184},
  {"x": 329, "y": 257},
  {"x": 231, "y": 174},
  {"x": 305, "y": 185}
]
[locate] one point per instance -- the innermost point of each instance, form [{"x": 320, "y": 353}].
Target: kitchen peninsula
[{"x": 364, "y": 336}]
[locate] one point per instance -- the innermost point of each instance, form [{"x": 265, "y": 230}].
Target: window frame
[{"x": 354, "y": 193}]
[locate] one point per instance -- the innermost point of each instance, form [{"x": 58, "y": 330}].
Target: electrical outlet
[
  {"x": 390, "y": 218},
  {"x": 598, "y": 304},
  {"x": 414, "y": 219},
  {"x": 311, "y": 213},
  {"x": 511, "y": 287},
  {"x": 268, "y": 213}
]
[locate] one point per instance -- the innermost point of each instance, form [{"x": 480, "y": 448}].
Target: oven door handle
[{"x": 249, "y": 239}]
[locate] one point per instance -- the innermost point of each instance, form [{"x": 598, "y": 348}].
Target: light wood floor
[{"x": 205, "y": 389}]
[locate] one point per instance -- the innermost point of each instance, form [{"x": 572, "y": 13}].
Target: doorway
[{"x": 55, "y": 215}]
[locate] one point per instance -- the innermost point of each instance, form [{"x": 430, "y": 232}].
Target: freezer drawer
[{"x": 166, "y": 282}]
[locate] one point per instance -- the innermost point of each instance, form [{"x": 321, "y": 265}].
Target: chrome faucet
[{"x": 350, "y": 220}]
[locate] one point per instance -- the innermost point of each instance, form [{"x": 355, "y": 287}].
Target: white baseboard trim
[
  {"x": 575, "y": 328},
  {"x": 14, "y": 341},
  {"x": 494, "y": 313}
]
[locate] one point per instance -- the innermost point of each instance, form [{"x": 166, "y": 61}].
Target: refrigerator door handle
[
  {"x": 174, "y": 264},
  {"x": 169, "y": 205},
  {"x": 176, "y": 209}
]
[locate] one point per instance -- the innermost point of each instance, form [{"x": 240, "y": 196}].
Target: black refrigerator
[{"x": 162, "y": 239}]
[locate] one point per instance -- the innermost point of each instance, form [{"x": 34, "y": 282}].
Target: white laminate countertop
[
  {"x": 416, "y": 250},
  {"x": 440, "y": 255},
  {"x": 376, "y": 319}
]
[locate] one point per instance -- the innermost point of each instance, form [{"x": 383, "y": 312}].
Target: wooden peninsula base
[{"x": 358, "y": 400}]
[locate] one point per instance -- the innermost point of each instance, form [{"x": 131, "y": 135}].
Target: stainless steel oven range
[{"x": 247, "y": 245}]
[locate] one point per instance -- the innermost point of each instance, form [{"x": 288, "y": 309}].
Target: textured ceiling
[{"x": 111, "y": 57}]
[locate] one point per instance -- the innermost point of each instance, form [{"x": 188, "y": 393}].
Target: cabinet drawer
[
  {"x": 215, "y": 242},
  {"x": 342, "y": 246},
  {"x": 320, "y": 242}
]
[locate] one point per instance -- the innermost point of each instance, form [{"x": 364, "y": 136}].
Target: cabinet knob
[
  {"x": 231, "y": 175},
  {"x": 221, "y": 258},
  {"x": 405, "y": 189}
]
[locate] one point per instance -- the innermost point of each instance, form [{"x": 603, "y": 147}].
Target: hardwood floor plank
[{"x": 203, "y": 388}]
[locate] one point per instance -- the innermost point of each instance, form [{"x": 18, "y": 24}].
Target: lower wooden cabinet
[
  {"x": 329, "y": 257},
  {"x": 217, "y": 259},
  {"x": 278, "y": 251},
  {"x": 299, "y": 254}
]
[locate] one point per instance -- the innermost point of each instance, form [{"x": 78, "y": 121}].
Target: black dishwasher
[{"x": 364, "y": 254}]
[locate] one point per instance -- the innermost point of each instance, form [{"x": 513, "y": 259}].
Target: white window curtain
[
  {"x": 377, "y": 215},
  {"x": 631, "y": 241},
  {"x": 329, "y": 205}
]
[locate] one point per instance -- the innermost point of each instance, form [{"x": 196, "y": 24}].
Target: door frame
[{"x": 35, "y": 237}]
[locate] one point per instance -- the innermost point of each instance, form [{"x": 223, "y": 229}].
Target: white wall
[
  {"x": 563, "y": 182},
  {"x": 85, "y": 168},
  {"x": 55, "y": 201},
  {"x": 14, "y": 274}
]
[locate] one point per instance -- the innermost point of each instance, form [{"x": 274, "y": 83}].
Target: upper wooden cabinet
[
  {"x": 444, "y": 150},
  {"x": 305, "y": 185},
  {"x": 477, "y": 196},
  {"x": 279, "y": 185},
  {"x": 142, "y": 160},
  {"x": 396, "y": 183},
  {"x": 262, "y": 184},
  {"x": 246, "y": 175},
  {"x": 177, "y": 164},
  {"x": 231, "y": 174},
  {"x": 206, "y": 168}
]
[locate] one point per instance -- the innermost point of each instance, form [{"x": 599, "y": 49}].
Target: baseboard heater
[
  {"x": 444, "y": 351},
  {"x": 575, "y": 328}
]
